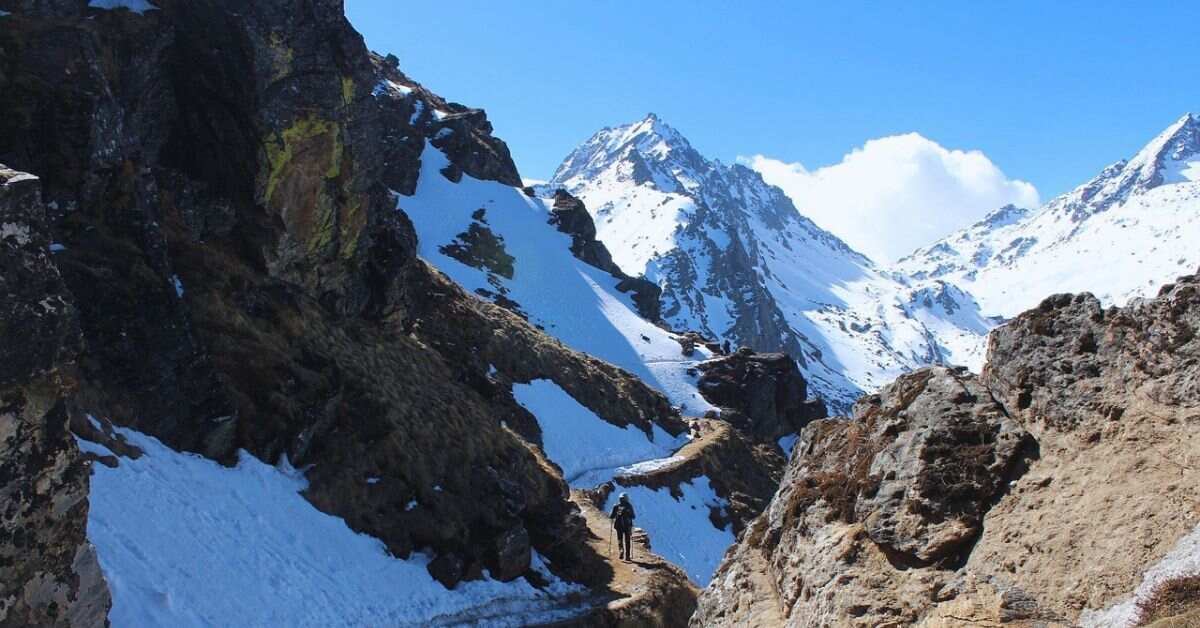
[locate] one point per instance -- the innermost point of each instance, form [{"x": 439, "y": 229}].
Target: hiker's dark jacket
[{"x": 622, "y": 516}]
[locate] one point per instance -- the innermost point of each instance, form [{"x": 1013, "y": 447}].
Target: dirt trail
[{"x": 647, "y": 591}]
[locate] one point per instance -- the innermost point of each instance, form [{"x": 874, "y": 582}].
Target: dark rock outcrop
[
  {"x": 218, "y": 174},
  {"x": 570, "y": 216},
  {"x": 463, "y": 133},
  {"x": 49, "y": 575},
  {"x": 761, "y": 393}
]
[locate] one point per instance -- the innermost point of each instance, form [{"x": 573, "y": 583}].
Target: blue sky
[{"x": 1049, "y": 91}]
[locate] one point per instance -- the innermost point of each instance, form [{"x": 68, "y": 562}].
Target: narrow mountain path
[{"x": 647, "y": 591}]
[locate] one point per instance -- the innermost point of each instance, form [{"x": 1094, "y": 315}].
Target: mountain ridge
[
  {"x": 738, "y": 262},
  {"x": 1116, "y": 235}
]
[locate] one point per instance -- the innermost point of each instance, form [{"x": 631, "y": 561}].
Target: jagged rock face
[
  {"x": 952, "y": 500},
  {"x": 1048, "y": 363},
  {"x": 463, "y": 133},
  {"x": 874, "y": 512},
  {"x": 219, "y": 178},
  {"x": 1112, "y": 397},
  {"x": 763, "y": 394},
  {"x": 48, "y": 571}
]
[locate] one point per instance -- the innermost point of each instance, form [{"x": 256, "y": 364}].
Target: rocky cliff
[
  {"x": 48, "y": 570},
  {"x": 949, "y": 499},
  {"x": 220, "y": 183}
]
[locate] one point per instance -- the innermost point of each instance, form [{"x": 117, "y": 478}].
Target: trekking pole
[{"x": 610, "y": 535}]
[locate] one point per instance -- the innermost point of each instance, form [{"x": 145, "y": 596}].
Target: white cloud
[{"x": 897, "y": 193}]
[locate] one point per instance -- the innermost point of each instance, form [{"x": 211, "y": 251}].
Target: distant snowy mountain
[
  {"x": 738, "y": 262},
  {"x": 1119, "y": 236}
]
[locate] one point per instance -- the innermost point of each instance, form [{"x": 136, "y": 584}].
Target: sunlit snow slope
[
  {"x": 570, "y": 300},
  {"x": 518, "y": 258},
  {"x": 1121, "y": 235},
  {"x": 737, "y": 261}
]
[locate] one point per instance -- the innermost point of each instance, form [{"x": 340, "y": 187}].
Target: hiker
[{"x": 622, "y": 515}]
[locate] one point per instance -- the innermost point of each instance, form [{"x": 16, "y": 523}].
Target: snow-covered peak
[
  {"x": 648, "y": 151},
  {"x": 1166, "y": 159},
  {"x": 1171, "y": 157},
  {"x": 737, "y": 262},
  {"x": 1120, "y": 235}
]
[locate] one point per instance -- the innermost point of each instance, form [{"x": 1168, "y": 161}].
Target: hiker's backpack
[{"x": 624, "y": 517}]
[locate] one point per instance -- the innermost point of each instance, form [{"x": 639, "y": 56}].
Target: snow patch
[
  {"x": 137, "y": 6},
  {"x": 175, "y": 281},
  {"x": 786, "y": 443},
  {"x": 183, "y": 541},
  {"x": 587, "y": 448},
  {"x": 17, "y": 231},
  {"x": 647, "y": 466},
  {"x": 387, "y": 85},
  {"x": 679, "y": 529}
]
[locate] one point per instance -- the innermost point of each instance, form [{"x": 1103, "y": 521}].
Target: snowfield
[
  {"x": 183, "y": 541},
  {"x": 570, "y": 300}
]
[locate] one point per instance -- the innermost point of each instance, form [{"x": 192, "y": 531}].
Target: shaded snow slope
[
  {"x": 1121, "y": 235},
  {"x": 173, "y": 533},
  {"x": 737, "y": 261}
]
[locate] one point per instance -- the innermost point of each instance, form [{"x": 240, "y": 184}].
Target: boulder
[
  {"x": 949, "y": 499},
  {"x": 875, "y": 512}
]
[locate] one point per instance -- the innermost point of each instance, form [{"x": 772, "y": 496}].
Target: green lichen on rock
[
  {"x": 281, "y": 56},
  {"x": 352, "y": 219},
  {"x": 347, "y": 90},
  {"x": 282, "y": 151},
  {"x": 304, "y": 182}
]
